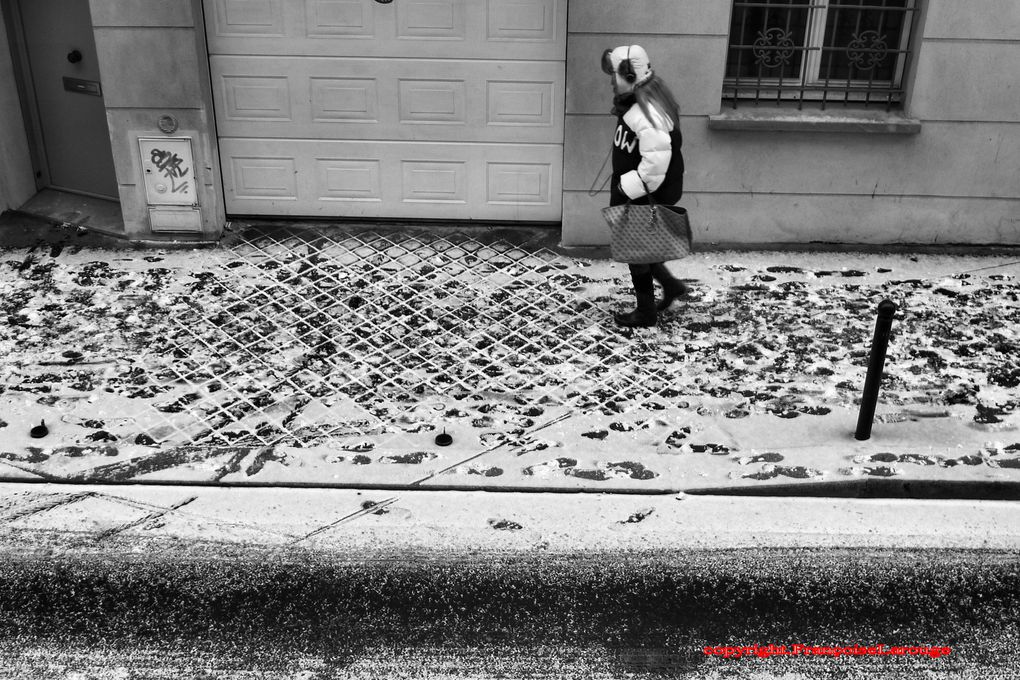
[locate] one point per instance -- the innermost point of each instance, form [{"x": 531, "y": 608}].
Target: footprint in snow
[
  {"x": 877, "y": 458},
  {"x": 505, "y": 525},
  {"x": 773, "y": 471},
  {"x": 543, "y": 469},
  {"x": 914, "y": 458},
  {"x": 714, "y": 449},
  {"x": 676, "y": 437},
  {"x": 613, "y": 470},
  {"x": 372, "y": 504},
  {"x": 484, "y": 472},
  {"x": 883, "y": 471},
  {"x": 492, "y": 438},
  {"x": 393, "y": 511},
  {"x": 964, "y": 460},
  {"x": 531, "y": 444},
  {"x": 1010, "y": 463},
  {"x": 635, "y": 518},
  {"x": 97, "y": 436},
  {"x": 769, "y": 457},
  {"x": 416, "y": 458}
]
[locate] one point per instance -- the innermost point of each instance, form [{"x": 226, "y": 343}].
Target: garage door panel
[
  {"x": 518, "y": 183},
  {"x": 316, "y": 97},
  {"x": 259, "y": 175},
  {"x": 434, "y": 181},
  {"x": 446, "y": 19},
  {"x": 436, "y": 109},
  {"x": 243, "y": 18},
  {"x": 522, "y": 103},
  {"x": 393, "y": 179},
  {"x": 349, "y": 179},
  {"x": 431, "y": 101},
  {"x": 347, "y": 18},
  {"x": 256, "y": 98},
  {"x": 524, "y": 20},
  {"x": 461, "y": 29},
  {"x": 343, "y": 100}
]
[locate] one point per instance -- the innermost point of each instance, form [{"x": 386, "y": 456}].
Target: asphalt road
[{"x": 314, "y": 615}]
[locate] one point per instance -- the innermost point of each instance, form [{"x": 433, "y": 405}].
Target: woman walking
[{"x": 646, "y": 161}]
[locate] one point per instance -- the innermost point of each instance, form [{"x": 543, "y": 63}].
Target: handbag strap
[{"x": 593, "y": 191}]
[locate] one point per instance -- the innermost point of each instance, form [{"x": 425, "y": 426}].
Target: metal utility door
[
  {"x": 435, "y": 109},
  {"x": 69, "y": 108}
]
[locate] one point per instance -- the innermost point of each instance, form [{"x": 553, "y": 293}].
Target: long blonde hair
[{"x": 655, "y": 93}]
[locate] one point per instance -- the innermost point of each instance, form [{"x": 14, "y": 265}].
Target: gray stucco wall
[
  {"x": 153, "y": 63},
  {"x": 954, "y": 181}
]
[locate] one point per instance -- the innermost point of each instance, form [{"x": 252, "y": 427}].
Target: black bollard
[{"x": 876, "y": 363}]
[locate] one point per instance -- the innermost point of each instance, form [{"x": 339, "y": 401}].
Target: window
[{"x": 851, "y": 52}]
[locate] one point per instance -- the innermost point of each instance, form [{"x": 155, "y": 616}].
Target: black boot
[
  {"x": 672, "y": 288},
  {"x": 644, "y": 316}
]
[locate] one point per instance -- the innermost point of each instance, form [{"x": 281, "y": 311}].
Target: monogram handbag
[{"x": 640, "y": 234}]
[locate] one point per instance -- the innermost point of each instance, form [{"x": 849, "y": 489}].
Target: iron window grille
[{"x": 852, "y": 52}]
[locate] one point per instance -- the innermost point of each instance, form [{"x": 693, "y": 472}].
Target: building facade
[{"x": 849, "y": 121}]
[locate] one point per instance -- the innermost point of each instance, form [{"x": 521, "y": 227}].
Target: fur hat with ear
[{"x": 630, "y": 61}]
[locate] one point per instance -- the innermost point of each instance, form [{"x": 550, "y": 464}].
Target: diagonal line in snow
[
  {"x": 354, "y": 515},
  {"x": 162, "y": 512},
  {"x": 553, "y": 421}
]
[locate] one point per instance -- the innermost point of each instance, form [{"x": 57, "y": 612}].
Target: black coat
[{"x": 628, "y": 155}]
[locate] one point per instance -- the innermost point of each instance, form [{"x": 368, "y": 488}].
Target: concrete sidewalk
[
  {"x": 327, "y": 356},
  {"x": 64, "y": 520},
  {"x": 251, "y": 428}
]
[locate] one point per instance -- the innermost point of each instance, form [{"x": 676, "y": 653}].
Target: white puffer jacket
[{"x": 655, "y": 147}]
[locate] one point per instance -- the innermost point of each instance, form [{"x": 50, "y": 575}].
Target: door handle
[{"x": 74, "y": 56}]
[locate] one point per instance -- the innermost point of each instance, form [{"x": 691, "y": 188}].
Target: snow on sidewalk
[{"x": 332, "y": 356}]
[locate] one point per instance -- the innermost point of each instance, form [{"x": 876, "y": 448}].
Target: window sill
[{"x": 771, "y": 119}]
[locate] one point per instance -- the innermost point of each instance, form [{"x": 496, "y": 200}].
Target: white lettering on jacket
[{"x": 625, "y": 140}]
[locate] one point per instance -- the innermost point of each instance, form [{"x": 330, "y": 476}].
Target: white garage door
[{"x": 432, "y": 109}]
